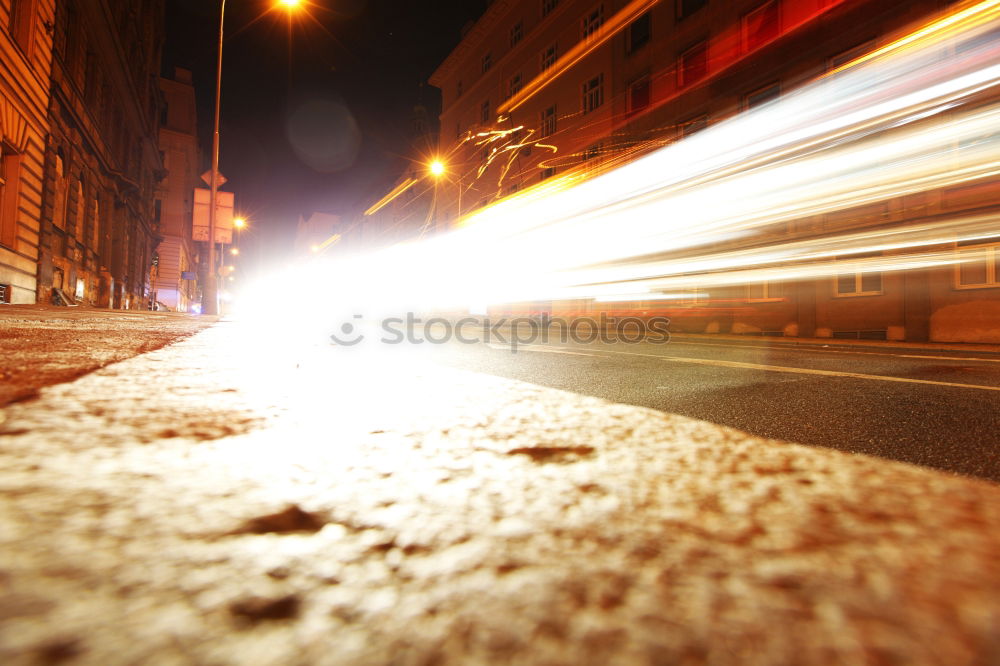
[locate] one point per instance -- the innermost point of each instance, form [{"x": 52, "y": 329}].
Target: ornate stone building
[
  {"x": 102, "y": 160},
  {"x": 25, "y": 59}
]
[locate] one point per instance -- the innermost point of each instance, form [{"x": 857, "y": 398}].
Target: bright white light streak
[{"x": 889, "y": 126}]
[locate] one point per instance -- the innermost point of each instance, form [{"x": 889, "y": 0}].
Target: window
[
  {"x": 638, "y": 34},
  {"x": 693, "y": 125},
  {"x": 516, "y": 32},
  {"x": 592, "y": 153},
  {"x": 979, "y": 267},
  {"x": 592, "y": 21},
  {"x": 693, "y": 65},
  {"x": 61, "y": 187},
  {"x": 593, "y": 93},
  {"x": 687, "y": 7},
  {"x": 10, "y": 163},
  {"x": 95, "y": 224},
  {"x": 514, "y": 85},
  {"x": 484, "y": 112},
  {"x": 763, "y": 292},
  {"x": 487, "y": 62},
  {"x": 548, "y": 58},
  {"x": 762, "y": 96},
  {"x": 548, "y": 6},
  {"x": 548, "y": 125},
  {"x": 638, "y": 94},
  {"x": 80, "y": 212},
  {"x": 547, "y": 173},
  {"x": 459, "y": 89},
  {"x": 22, "y": 13},
  {"x": 760, "y": 26},
  {"x": 854, "y": 282}
]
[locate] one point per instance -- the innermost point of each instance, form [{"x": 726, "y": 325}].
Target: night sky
[{"x": 316, "y": 113}]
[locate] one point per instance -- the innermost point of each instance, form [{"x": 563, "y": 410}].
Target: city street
[{"x": 933, "y": 407}]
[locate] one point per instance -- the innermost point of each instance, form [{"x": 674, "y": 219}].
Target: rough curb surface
[{"x": 237, "y": 499}]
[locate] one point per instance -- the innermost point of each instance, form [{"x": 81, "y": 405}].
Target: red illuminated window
[
  {"x": 638, "y": 94},
  {"x": 761, "y": 25},
  {"x": 693, "y": 65}
]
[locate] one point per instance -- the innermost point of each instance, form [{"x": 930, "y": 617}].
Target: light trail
[{"x": 912, "y": 117}]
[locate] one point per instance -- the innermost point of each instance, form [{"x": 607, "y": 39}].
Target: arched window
[
  {"x": 95, "y": 224},
  {"x": 81, "y": 207},
  {"x": 61, "y": 190}
]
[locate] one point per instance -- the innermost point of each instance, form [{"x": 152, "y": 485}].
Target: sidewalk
[
  {"x": 41, "y": 345},
  {"x": 250, "y": 498}
]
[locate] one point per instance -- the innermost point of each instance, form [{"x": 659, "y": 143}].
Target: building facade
[
  {"x": 25, "y": 61},
  {"x": 176, "y": 257},
  {"x": 102, "y": 160},
  {"x": 538, "y": 88}
]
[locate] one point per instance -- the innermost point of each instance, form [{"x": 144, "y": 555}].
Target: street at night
[
  {"x": 500, "y": 332},
  {"x": 939, "y": 408}
]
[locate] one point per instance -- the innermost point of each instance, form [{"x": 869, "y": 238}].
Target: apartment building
[
  {"x": 539, "y": 88},
  {"x": 102, "y": 161},
  {"x": 25, "y": 60}
]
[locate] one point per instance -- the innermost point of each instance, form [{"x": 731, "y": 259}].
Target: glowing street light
[
  {"x": 239, "y": 222},
  {"x": 210, "y": 293},
  {"x": 234, "y": 251},
  {"x": 437, "y": 168}
]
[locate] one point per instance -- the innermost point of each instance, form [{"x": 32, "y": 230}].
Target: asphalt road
[{"x": 935, "y": 408}]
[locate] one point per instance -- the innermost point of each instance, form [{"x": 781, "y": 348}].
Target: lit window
[
  {"x": 548, "y": 57},
  {"x": 760, "y": 26},
  {"x": 516, "y": 33},
  {"x": 592, "y": 21},
  {"x": 593, "y": 93},
  {"x": 638, "y": 34},
  {"x": 979, "y": 266},
  {"x": 693, "y": 65}
]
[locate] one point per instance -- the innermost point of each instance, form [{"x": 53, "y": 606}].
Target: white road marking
[
  {"x": 835, "y": 351},
  {"x": 751, "y": 366},
  {"x": 804, "y": 371},
  {"x": 539, "y": 348}
]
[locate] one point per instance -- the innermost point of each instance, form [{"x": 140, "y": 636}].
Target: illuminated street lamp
[
  {"x": 437, "y": 168},
  {"x": 210, "y": 293},
  {"x": 234, "y": 251}
]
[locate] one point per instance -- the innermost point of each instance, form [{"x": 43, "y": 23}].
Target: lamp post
[{"x": 210, "y": 293}]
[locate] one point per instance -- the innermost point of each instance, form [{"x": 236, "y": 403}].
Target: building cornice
[{"x": 479, "y": 32}]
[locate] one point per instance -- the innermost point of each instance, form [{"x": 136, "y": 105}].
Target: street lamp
[{"x": 210, "y": 293}]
